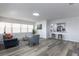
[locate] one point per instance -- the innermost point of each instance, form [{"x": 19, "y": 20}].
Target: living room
[{"x": 36, "y": 29}]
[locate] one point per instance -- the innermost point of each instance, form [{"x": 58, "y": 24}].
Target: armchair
[{"x": 34, "y": 40}]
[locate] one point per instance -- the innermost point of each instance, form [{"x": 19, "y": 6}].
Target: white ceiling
[{"x": 47, "y": 11}]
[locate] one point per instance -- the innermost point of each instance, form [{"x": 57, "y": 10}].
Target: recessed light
[{"x": 35, "y": 14}]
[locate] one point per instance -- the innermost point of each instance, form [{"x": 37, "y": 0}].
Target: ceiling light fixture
[{"x": 35, "y": 14}]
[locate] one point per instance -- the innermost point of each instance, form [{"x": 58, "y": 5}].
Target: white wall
[
  {"x": 42, "y": 32},
  {"x": 72, "y": 28}
]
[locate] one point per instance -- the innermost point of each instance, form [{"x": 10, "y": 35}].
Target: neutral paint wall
[
  {"x": 72, "y": 28},
  {"x": 42, "y": 32}
]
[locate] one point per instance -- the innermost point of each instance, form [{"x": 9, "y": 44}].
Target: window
[
  {"x": 2, "y": 26},
  {"x": 30, "y": 28},
  {"x": 23, "y": 28},
  {"x": 16, "y": 28},
  {"x": 8, "y": 27}
]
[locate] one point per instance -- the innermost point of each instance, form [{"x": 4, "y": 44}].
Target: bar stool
[
  {"x": 60, "y": 36},
  {"x": 53, "y": 36}
]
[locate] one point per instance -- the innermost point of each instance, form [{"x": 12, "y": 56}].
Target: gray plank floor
[{"x": 49, "y": 47}]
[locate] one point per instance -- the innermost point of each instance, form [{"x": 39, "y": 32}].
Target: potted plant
[{"x": 33, "y": 31}]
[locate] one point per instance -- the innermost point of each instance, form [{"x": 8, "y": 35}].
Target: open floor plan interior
[{"x": 39, "y": 29}]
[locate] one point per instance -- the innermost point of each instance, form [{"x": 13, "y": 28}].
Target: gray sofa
[{"x": 34, "y": 40}]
